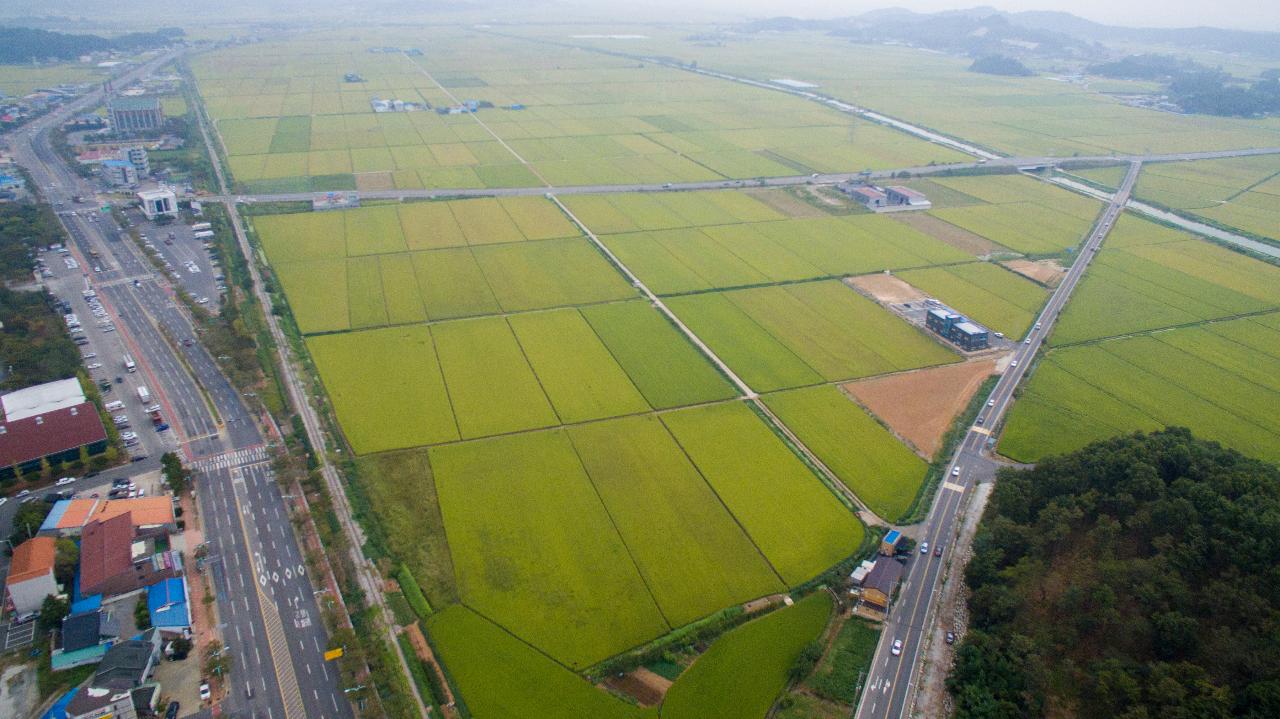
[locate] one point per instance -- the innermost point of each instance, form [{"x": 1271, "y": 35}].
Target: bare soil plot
[
  {"x": 919, "y": 406},
  {"x": 1046, "y": 272},
  {"x": 640, "y": 684},
  {"x": 944, "y": 231},
  {"x": 886, "y": 289},
  {"x": 366, "y": 181},
  {"x": 784, "y": 202}
]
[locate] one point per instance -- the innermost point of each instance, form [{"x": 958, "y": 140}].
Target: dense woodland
[
  {"x": 24, "y": 226},
  {"x": 34, "y": 344},
  {"x": 1138, "y": 577},
  {"x": 1000, "y": 65},
  {"x": 24, "y": 44},
  {"x": 1198, "y": 88}
]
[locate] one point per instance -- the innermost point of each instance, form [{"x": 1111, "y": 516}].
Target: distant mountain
[{"x": 981, "y": 31}]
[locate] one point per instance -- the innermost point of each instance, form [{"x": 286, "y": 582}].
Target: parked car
[
  {"x": 65, "y": 481},
  {"x": 951, "y": 637},
  {"x": 172, "y": 711},
  {"x": 204, "y": 692}
]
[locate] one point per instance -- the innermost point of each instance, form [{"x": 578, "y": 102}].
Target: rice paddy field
[
  {"x": 286, "y": 114},
  {"x": 568, "y": 472},
  {"x": 1243, "y": 193},
  {"x": 1164, "y": 330},
  {"x": 1148, "y": 277},
  {"x": 19, "y": 80},
  {"x": 1029, "y": 116}
]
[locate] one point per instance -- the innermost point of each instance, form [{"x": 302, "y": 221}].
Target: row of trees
[{"x": 1138, "y": 577}]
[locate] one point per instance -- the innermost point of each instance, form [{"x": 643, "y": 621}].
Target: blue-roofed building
[
  {"x": 889, "y": 545},
  {"x": 167, "y": 602},
  {"x": 59, "y": 708},
  {"x": 10, "y": 182},
  {"x": 120, "y": 173}
]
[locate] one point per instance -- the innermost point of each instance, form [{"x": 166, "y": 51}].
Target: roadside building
[
  {"x": 141, "y": 113},
  {"x": 50, "y": 422},
  {"x": 899, "y": 196},
  {"x": 120, "y": 173},
  {"x": 137, "y": 156},
  {"x": 113, "y": 561},
  {"x": 30, "y": 577},
  {"x": 867, "y": 196},
  {"x": 158, "y": 202},
  {"x": 889, "y": 544},
  {"x": 121, "y": 688},
  {"x": 150, "y": 516},
  {"x": 879, "y": 584},
  {"x": 969, "y": 337},
  {"x": 167, "y": 602},
  {"x": 941, "y": 321}
]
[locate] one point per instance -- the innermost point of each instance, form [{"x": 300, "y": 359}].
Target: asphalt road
[
  {"x": 270, "y": 617},
  {"x": 787, "y": 181},
  {"x": 892, "y": 678}
]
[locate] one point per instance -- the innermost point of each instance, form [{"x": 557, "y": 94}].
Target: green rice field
[
  {"x": 1218, "y": 379},
  {"x": 998, "y": 298},
  {"x": 1241, "y": 193},
  {"x": 1025, "y": 215},
  {"x": 1147, "y": 277},
  {"x": 803, "y": 334}
]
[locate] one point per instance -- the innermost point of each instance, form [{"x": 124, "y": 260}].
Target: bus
[{"x": 203, "y": 235}]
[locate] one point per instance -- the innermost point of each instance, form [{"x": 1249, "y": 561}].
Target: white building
[
  {"x": 42, "y": 399},
  {"x": 137, "y": 156},
  {"x": 30, "y": 577},
  {"x": 158, "y": 202},
  {"x": 120, "y": 173}
]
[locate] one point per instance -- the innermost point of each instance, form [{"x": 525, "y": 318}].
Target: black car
[{"x": 172, "y": 711}]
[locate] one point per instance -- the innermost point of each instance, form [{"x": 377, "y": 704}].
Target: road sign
[{"x": 332, "y": 654}]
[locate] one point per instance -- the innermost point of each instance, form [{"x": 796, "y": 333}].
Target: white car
[
  {"x": 896, "y": 649},
  {"x": 95, "y": 365},
  {"x": 128, "y": 435},
  {"x": 1027, "y": 341},
  {"x": 202, "y": 301},
  {"x": 204, "y": 692},
  {"x": 65, "y": 481},
  {"x": 3, "y": 500},
  {"x": 991, "y": 403},
  {"x": 1013, "y": 363}
]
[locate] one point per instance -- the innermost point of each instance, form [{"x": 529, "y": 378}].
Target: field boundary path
[
  {"x": 750, "y": 395},
  {"x": 889, "y": 694},
  {"x": 366, "y": 574}
]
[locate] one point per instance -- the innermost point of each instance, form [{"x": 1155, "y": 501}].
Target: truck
[
  {"x": 202, "y": 226},
  {"x": 144, "y": 395},
  {"x": 129, "y": 364}
]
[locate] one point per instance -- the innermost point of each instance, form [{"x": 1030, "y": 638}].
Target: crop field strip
[
  {"x": 640, "y": 124},
  {"x": 1030, "y": 116},
  {"x": 989, "y": 293},
  {"x": 1219, "y": 379},
  {"x": 1020, "y": 213},
  {"x": 1242, "y": 193},
  {"x": 686, "y": 471},
  {"x": 1149, "y": 277}
]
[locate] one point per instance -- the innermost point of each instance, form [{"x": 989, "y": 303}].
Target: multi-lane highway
[
  {"x": 892, "y": 678},
  {"x": 269, "y": 618}
]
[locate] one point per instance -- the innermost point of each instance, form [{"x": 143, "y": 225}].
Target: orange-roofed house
[
  {"x": 150, "y": 515},
  {"x": 31, "y": 575}
]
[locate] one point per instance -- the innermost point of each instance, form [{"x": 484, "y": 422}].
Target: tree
[
  {"x": 53, "y": 610},
  {"x": 181, "y": 647},
  {"x": 141, "y": 614},
  {"x": 175, "y": 474},
  {"x": 27, "y": 521},
  {"x": 66, "y": 559},
  {"x": 217, "y": 660}
]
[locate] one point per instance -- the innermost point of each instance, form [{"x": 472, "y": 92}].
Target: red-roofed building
[
  {"x": 30, "y": 577},
  {"x": 113, "y": 561},
  {"x": 56, "y": 435}
]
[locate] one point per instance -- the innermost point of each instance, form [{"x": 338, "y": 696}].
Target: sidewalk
[{"x": 204, "y": 616}]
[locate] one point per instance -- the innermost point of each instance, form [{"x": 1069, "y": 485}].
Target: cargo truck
[{"x": 144, "y": 395}]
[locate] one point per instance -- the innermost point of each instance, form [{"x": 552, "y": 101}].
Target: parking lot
[
  {"x": 185, "y": 258},
  {"x": 111, "y": 363},
  {"x": 16, "y": 636}
]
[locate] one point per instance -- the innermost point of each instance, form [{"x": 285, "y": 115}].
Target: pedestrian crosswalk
[{"x": 236, "y": 458}]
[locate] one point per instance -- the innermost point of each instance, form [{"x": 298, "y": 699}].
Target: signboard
[{"x": 332, "y": 654}]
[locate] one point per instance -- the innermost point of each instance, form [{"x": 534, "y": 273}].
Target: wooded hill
[{"x": 1138, "y": 577}]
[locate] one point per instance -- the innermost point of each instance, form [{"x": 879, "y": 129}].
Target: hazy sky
[{"x": 1241, "y": 14}]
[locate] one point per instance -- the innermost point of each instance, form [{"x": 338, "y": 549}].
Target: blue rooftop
[
  {"x": 167, "y": 602},
  {"x": 55, "y": 515},
  {"x": 892, "y": 537},
  {"x": 117, "y": 163}
]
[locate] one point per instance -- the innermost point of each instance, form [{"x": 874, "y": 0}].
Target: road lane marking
[{"x": 953, "y": 487}]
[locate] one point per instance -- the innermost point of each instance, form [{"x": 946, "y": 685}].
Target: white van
[{"x": 114, "y": 406}]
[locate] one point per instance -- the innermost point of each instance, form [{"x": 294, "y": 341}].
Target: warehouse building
[
  {"x": 51, "y": 422},
  {"x": 140, "y": 113},
  {"x": 899, "y": 196}
]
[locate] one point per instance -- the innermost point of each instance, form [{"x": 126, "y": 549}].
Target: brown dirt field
[
  {"x": 642, "y": 685},
  {"x": 886, "y": 289},
  {"x": 920, "y": 406},
  {"x": 784, "y": 202},
  {"x": 374, "y": 181},
  {"x": 944, "y": 231},
  {"x": 1046, "y": 272}
]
